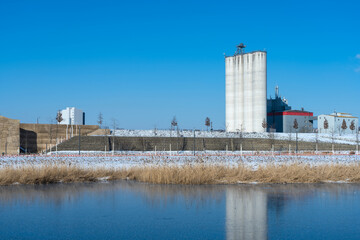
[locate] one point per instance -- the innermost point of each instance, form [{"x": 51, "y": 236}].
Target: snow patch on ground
[
  {"x": 306, "y": 137},
  {"x": 122, "y": 160}
]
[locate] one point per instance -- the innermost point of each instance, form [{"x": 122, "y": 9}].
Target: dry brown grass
[{"x": 189, "y": 174}]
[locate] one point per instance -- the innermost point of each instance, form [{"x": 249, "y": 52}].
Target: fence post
[
  {"x": 194, "y": 142},
  {"x": 155, "y": 150},
  {"x": 289, "y": 149},
  {"x": 296, "y": 148},
  {"x": 79, "y": 141},
  {"x": 113, "y": 148},
  {"x": 105, "y": 150},
  {"x": 240, "y": 149},
  {"x": 170, "y": 149}
]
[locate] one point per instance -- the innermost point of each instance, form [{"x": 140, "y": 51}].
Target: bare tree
[
  {"x": 352, "y": 126},
  {"x": 155, "y": 131},
  {"x": 241, "y": 130},
  {"x": 174, "y": 124},
  {"x": 59, "y": 117},
  {"x": 114, "y": 125},
  {"x": 100, "y": 120},
  {"x": 264, "y": 124},
  {"x": 59, "y": 120},
  {"x": 326, "y": 125},
  {"x": 207, "y": 123},
  {"x": 296, "y": 126},
  {"x": 1, "y": 131},
  {"x": 357, "y": 141},
  {"x": 271, "y": 136},
  {"x": 343, "y": 126},
  {"x": 50, "y": 132},
  {"x": 290, "y": 135},
  {"x": 317, "y": 138},
  {"x": 332, "y": 131}
]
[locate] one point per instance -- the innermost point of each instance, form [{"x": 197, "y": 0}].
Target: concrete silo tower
[{"x": 245, "y": 76}]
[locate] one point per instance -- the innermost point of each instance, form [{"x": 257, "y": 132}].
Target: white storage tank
[
  {"x": 245, "y": 76},
  {"x": 72, "y": 116}
]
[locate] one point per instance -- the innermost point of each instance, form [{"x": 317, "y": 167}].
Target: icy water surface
[{"x": 129, "y": 210}]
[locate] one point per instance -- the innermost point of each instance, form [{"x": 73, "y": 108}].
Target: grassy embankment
[{"x": 188, "y": 174}]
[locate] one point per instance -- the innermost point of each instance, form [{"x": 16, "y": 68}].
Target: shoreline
[{"x": 182, "y": 168}]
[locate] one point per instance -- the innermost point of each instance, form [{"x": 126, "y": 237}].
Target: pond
[{"x": 131, "y": 210}]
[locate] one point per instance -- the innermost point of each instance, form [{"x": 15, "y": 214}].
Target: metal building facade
[
  {"x": 72, "y": 116},
  {"x": 284, "y": 121},
  {"x": 335, "y": 122}
]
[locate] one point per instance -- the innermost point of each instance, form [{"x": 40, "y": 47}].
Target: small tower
[{"x": 240, "y": 49}]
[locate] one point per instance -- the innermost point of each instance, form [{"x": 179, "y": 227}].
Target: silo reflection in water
[{"x": 246, "y": 213}]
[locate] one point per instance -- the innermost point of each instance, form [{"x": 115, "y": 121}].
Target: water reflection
[
  {"x": 247, "y": 206},
  {"x": 246, "y": 213},
  {"x": 153, "y": 194},
  {"x": 131, "y": 210}
]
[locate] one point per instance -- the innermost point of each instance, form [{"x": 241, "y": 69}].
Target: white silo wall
[
  {"x": 239, "y": 88},
  {"x": 229, "y": 99},
  {"x": 259, "y": 91},
  {"x": 246, "y": 92}
]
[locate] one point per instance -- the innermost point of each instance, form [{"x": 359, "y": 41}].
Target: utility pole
[
  {"x": 79, "y": 141},
  {"x": 296, "y": 126},
  {"x": 357, "y": 141},
  {"x": 194, "y": 142}
]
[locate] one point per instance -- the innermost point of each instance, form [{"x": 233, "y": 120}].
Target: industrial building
[
  {"x": 16, "y": 137},
  {"x": 72, "y": 116},
  {"x": 338, "y": 123},
  {"x": 284, "y": 121},
  {"x": 9, "y": 135},
  {"x": 280, "y": 117},
  {"x": 245, "y": 76},
  {"x": 247, "y": 108}
]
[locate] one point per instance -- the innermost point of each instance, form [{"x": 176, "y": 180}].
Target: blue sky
[{"x": 142, "y": 62}]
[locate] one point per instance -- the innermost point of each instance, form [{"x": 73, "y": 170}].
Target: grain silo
[{"x": 245, "y": 75}]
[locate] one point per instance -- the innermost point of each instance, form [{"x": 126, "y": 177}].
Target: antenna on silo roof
[
  {"x": 277, "y": 91},
  {"x": 240, "y": 49}
]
